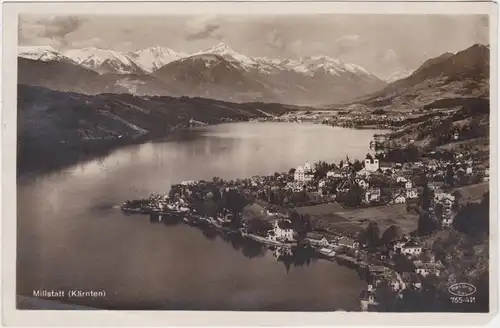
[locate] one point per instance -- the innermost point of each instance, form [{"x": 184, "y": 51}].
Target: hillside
[
  {"x": 60, "y": 128},
  {"x": 461, "y": 75}
]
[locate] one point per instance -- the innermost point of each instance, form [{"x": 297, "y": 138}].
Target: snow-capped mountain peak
[
  {"x": 153, "y": 58},
  {"x": 220, "y": 48},
  {"x": 229, "y": 54},
  {"x": 43, "y": 53},
  {"x": 323, "y": 64},
  {"x": 96, "y": 55},
  {"x": 104, "y": 60}
]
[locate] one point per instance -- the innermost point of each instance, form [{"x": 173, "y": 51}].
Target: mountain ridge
[
  {"x": 461, "y": 74},
  {"x": 58, "y": 128},
  {"x": 222, "y": 73}
]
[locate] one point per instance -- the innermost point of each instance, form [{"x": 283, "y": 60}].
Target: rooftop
[{"x": 346, "y": 241}]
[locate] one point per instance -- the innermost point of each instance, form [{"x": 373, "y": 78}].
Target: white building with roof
[
  {"x": 401, "y": 179},
  {"x": 411, "y": 193},
  {"x": 400, "y": 199},
  {"x": 373, "y": 195},
  {"x": 411, "y": 249},
  {"x": 303, "y": 173},
  {"x": 282, "y": 231}
]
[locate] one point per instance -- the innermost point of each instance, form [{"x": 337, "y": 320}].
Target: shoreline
[
  {"x": 199, "y": 221},
  {"x": 86, "y": 151}
]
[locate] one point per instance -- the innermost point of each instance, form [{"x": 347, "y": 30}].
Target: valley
[{"x": 63, "y": 118}]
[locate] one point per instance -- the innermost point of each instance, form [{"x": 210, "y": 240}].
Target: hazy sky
[{"x": 382, "y": 44}]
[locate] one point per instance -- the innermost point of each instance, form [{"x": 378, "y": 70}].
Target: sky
[{"x": 382, "y": 44}]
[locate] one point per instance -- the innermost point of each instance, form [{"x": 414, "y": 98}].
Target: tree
[
  {"x": 357, "y": 165},
  {"x": 307, "y": 222},
  {"x": 298, "y": 224},
  {"x": 421, "y": 180},
  {"x": 258, "y": 226},
  {"x": 295, "y": 217},
  {"x": 210, "y": 208},
  {"x": 449, "y": 178},
  {"x": 321, "y": 169},
  {"x": 391, "y": 234},
  {"x": 371, "y": 235},
  {"x": 427, "y": 198},
  {"x": 458, "y": 198},
  {"x": 403, "y": 264},
  {"x": 439, "y": 209},
  {"x": 234, "y": 201},
  {"x": 291, "y": 171},
  {"x": 369, "y": 156},
  {"x": 426, "y": 224},
  {"x": 380, "y": 156},
  {"x": 175, "y": 190},
  {"x": 354, "y": 197}
]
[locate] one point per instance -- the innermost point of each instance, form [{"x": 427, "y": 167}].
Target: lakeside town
[{"x": 380, "y": 215}]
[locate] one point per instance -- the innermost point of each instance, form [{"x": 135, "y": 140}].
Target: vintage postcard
[{"x": 249, "y": 163}]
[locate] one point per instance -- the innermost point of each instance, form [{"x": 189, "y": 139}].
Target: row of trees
[
  {"x": 209, "y": 200},
  {"x": 373, "y": 238}
]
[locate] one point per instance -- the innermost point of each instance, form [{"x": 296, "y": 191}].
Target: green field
[{"x": 334, "y": 217}]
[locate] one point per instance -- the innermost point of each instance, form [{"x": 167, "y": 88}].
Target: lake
[{"x": 71, "y": 236}]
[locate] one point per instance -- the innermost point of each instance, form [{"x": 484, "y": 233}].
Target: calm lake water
[{"x": 71, "y": 237}]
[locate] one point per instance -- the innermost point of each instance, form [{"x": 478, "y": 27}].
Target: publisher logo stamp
[{"x": 462, "y": 289}]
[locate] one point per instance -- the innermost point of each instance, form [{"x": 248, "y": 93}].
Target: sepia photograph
[{"x": 253, "y": 162}]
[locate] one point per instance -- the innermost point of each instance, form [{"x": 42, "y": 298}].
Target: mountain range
[
  {"x": 224, "y": 74},
  {"x": 218, "y": 73}
]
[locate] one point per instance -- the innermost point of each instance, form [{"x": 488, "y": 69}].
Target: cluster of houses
[
  {"x": 424, "y": 264},
  {"x": 159, "y": 203},
  {"x": 382, "y": 121},
  {"x": 371, "y": 193},
  {"x": 462, "y": 168},
  {"x": 424, "y": 261},
  {"x": 400, "y": 175}
]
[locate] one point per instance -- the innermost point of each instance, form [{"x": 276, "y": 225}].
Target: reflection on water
[{"x": 70, "y": 236}]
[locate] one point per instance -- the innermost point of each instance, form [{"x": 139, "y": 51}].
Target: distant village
[{"x": 343, "y": 119}]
